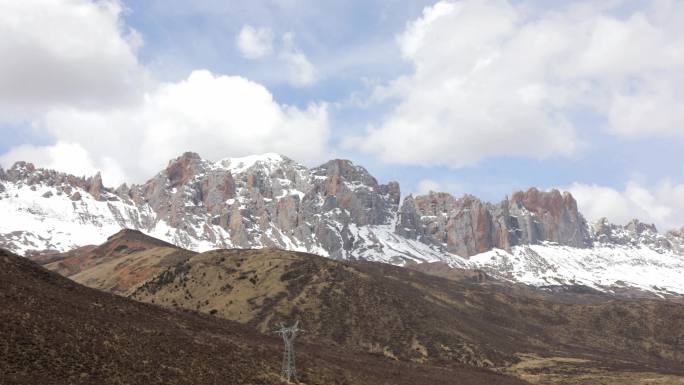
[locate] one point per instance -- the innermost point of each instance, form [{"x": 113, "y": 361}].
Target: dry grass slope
[
  {"x": 54, "y": 331},
  {"x": 405, "y": 314},
  {"x": 412, "y": 316}
]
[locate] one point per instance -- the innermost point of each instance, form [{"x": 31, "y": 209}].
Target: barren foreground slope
[
  {"x": 54, "y": 331},
  {"x": 404, "y": 314}
]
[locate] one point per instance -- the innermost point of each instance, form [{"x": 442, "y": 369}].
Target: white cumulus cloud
[
  {"x": 255, "y": 43},
  {"x": 258, "y": 43},
  {"x": 662, "y": 204},
  {"x": 73, "y": 52},
  {"x": 496, "y": 78},
  {"x": 301, "y": 72}
]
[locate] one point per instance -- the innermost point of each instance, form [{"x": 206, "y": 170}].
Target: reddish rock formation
[
  {"x": 550, "y": 216},
  {"x": 95, "y": 187},
  {"x": 467, "y": 226},
  {"x": 181, "y": 169},
  {"x": 216, "y": 189}
]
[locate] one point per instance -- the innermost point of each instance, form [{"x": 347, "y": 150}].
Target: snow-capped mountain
[{"x": 339, "y": 210}]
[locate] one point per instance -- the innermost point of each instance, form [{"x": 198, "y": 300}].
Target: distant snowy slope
[
  {"x": 603, "y": 267},
  {"x": 41, "y": 217}
]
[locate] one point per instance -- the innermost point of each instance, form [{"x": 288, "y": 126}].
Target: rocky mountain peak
[
  {"x": 435, "y": 203},
  {"x": 634, "y": 233},
  {"x": 542, "y": 202},
  {"x": 409, "y": 223},
  {"x": 638, "y": 227},
  {"x": 603, "y": 229},
  {"x": 94, "y": 186},
  {"x": 345, "y": 170},
  {"x": 267, "y": 163},
  {"x": 348, "y": 194},
  {"x": 189, "y": 187},
  {"x": 180, "y": 170},
  {"x": 677, "y": 233},
  {"x": 394, "y": 191},
  {"x": 123, "y": 190},
  {"x": 20, "y": 170},
  {"x": 676, "y": 238}
]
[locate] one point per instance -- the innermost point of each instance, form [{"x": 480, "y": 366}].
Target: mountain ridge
[{"x": 337, "y": 210}]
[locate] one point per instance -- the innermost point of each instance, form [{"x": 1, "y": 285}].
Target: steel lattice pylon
[{"x": 289, "y": 371}]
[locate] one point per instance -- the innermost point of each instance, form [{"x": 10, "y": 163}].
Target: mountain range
[{"x": 339, "y": 210}]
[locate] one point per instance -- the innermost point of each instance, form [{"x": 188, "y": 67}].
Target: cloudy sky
[{"x": 481, "y": 97}]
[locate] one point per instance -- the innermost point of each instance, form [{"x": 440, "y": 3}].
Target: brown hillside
[
  {"x": 119, "y": 265},
  {"x": 54, "y": 331},
  {"x": 412, "y": 316}
]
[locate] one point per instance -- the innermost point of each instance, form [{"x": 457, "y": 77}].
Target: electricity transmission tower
[{"x": 289, "y": 372}]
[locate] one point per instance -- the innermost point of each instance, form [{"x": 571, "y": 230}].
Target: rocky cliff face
[
  {"x": 467, "y": 226},
  {"x": 549, "y": 216},
  {"x": 337, "y": 209}
]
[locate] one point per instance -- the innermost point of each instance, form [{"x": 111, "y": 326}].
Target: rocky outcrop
[
  {"x": 176, "y": 194},
  {"x": 676, "y": 238},
  {"x": 352, "y": 189},
  {"x": 24, "y": 173},
  {"x": 123, "y": 191},
  {"x": 549, "y": 216},
  {"x": 634, "y": 233},
  {"x": 94, "y": 186},
  {"x": 464, "y": 226},
  {"x": 677, "y": 233},
  {"x": 637, "y": 227},
  {"x": 215, "y": 189},
  {"x": 409, "y": 221},
  {"x": 467, "y": 226}
]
